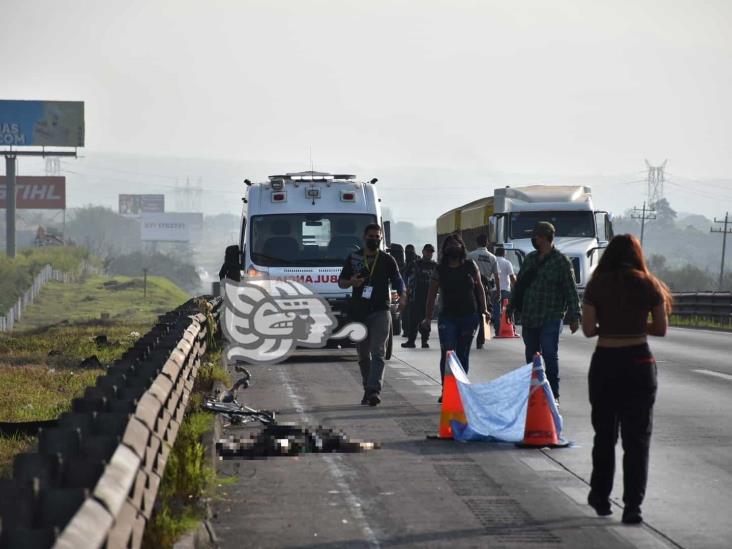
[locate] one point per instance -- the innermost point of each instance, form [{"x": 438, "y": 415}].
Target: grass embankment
[
  {"x": 189, "y": 479},
  {"x": 39, "y": 361},
  {"x": 117, "y": 299},
  {"x": 16, "y": 275}
]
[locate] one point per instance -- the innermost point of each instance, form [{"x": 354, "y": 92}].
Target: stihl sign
[{"x": 36, "y": 193}]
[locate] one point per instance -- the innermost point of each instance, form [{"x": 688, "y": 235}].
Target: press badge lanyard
[{"x": 367, "y": 290}]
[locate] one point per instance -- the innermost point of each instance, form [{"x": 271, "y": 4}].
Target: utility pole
[
  {"x": 144, "y": 283},
  {"x": 656, "y": 179},
  {"x": 643, "y": 214},
  {"x": 725, "y": 231}
]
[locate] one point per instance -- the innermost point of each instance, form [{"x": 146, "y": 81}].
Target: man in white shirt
[
  {"x": 507, "y": 279},
  {"x": 488, "y": 267}
]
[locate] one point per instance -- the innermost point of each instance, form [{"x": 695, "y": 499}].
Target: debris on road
[{"x": 290, "y": 440}]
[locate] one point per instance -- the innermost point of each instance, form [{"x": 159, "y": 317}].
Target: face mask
[
  {"x": 453, "y": 252},
  {"x": 372, "y": 243}
]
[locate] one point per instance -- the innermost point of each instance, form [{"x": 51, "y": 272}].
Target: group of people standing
[{"x": 623, "y": 304}]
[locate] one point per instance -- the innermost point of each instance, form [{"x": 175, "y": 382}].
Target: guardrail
[
  {"x": 715, "y": 306},
  {"x": 95, "y": 477},
  {"x": 46, "y": 274}
]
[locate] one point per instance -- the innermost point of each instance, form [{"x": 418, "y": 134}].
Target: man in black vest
[
  {"x": 369, "y": 271},
  {"x": 418, "y": 284}
]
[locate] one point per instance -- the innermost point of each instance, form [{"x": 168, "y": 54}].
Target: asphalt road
[{"x": 418, "y": 492}]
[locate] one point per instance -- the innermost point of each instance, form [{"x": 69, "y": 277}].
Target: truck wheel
[{"x": 389, "y": 347}]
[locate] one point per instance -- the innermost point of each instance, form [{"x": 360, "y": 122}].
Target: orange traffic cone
[
  {"x": 541, "y": 429},
  {"x": 506, "y": 327},
  {"x": 452, "y": 405}
]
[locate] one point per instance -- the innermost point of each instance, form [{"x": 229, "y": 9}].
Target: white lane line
[
  {"x": 640, "y": 538},
  {"x": 540, "y": 464},
  {"x": 335, "y": 468},
  {"x": 407, "y": 373},
  {"x": 578, "y": 495},
  {"x": 423, "y": 382},
  {"x": 712, "y": 373}
]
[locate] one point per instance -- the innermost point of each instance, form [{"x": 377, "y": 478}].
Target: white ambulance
[{"x": 302, "y": 226}]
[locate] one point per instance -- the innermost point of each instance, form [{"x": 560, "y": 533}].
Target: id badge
[{"x": 367, "y": 291}]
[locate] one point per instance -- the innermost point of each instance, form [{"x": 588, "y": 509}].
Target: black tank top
[{"x": 457, "y": 289}]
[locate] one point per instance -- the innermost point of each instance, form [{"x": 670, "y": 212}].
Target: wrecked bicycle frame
[{"x": 230, "y": 407}]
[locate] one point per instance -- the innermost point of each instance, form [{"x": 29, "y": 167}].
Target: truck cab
[{"x": 581, "y": 230}]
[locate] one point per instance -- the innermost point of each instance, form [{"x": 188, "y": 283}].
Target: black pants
[
  {"x": 416, "y": 315},
  {"x": 622, "y": 392}
]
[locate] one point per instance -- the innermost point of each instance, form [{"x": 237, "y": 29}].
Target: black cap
[
  {"x": 429, "y": 247},
  {"x": 543, "y": 228}
]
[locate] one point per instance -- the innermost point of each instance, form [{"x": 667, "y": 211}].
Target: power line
[
  {"x": 643, "y": 214},
  {"x": 725, "y": 231}
]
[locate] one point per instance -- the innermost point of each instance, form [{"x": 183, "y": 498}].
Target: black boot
[{"x": 409, "y": 344}]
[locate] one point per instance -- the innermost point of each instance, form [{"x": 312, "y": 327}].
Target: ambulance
[{"x": 302, "y": 226}]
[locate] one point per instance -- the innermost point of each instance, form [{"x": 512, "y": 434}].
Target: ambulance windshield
[{"x": 307, "y": 239}]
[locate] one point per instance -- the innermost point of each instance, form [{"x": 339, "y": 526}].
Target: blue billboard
[{"x": 41, "y": 123}]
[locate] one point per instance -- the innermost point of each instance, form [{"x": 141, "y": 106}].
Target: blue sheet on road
[{"x": 495, "y": 410}]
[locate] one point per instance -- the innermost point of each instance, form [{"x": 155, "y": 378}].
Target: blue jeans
[
  {"x": 544, "y": 339},
  {"x": 456, "y": 334}
]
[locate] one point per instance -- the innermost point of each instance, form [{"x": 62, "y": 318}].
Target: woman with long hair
[
  {"x": 462, "y": 301},
  {"x": 618, "y": 300}
]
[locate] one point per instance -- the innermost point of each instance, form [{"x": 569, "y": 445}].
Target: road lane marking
[
  {"x": 423, "y": 382},
  {"x": 712, "y": 373},
  {"x": 408, "y": 373},
  {"x": 335, "y": 468},
  {"x": 540, "y": 464}
]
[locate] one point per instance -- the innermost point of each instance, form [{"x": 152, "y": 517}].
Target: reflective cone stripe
[
  {"x": 452, "y": 405},
  {"x": 505, "y": 328},
  {"x": 540, "y": 429}
]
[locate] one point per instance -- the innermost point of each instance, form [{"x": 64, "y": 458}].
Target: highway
[{"x": 427, "y": 493}]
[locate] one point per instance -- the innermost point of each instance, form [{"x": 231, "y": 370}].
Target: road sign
[
  {"x": 134, "y": 205},
  {"x": 171, "y": 227},
  {"x": 41, "y": 123},
  {"x": 36, "y": 193}
]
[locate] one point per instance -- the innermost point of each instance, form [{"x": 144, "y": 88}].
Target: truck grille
[{"x": 576, "y": 267}]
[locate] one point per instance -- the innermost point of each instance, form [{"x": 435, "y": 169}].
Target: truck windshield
[
  {"x": 576, "y": 224},
  {"x": 317, "y": 239}
]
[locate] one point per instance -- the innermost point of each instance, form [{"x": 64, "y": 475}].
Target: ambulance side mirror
[{"x": 387, "y": 233}]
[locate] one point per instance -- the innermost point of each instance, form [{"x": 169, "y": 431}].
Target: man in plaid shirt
[{"x": 549, "y": 295}]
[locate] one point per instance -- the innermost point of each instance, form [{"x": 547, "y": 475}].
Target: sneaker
[
  {"x": 408, "y": 345},
  {"x": 374, "y": 399},
  {"x": 365, "y": 399},
  {"x": 425, "y": 345},
  {"x": 600, "y": 505},
  {"x": 632, "y": 515}
]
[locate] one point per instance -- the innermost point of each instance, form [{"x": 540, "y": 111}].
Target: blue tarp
[{"x": 496, "y": 410}]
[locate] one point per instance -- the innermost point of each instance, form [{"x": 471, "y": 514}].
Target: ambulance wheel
[{"x": 389, "y": 347}]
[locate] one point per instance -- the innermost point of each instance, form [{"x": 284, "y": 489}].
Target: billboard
[
  {"x": 133, "y": 205},
  {"x": 36, "y": 192},
  {"x": 41, "y": 123},
  {"x": 171, "y": 227}
]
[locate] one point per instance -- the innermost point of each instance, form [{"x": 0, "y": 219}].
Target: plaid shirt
[{"x": 553, "y": 293}]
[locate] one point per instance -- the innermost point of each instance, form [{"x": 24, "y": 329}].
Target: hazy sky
[{"x": 542, "y": 88}]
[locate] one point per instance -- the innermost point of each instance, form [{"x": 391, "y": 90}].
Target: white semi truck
[{"x": 509, "y": 216}]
